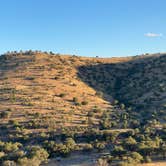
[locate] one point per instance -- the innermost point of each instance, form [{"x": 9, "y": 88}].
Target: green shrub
[
  {"x": 62, "y": 95},
  {"x": 75, "y": 99},
  {"x": 8, "y": 163},
  {"x": 147, "y": 159},
  {"x": 84, "y": 102},
  {"x": 5, "y": 114}
]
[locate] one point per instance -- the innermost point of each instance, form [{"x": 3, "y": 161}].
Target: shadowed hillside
[{"x": 140, "y": 82}]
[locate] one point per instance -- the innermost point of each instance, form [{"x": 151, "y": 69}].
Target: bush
[
  {"x": 75, "y": 99},
  {"x": 39, "y": 153},
  {"x": 30, "y": 78},
  {"x": 87, "y": 147},
  {"x": 70, "y": 143},
  {"x": 147, "y": 159},
  {"x": 2, "y": 154},
  {"x": 136, "y": 157},
  {"x": 15, "y": 123},
  {"x": 99, "y": 145},
  {"x": 61, "y": 149},
  {"x": 122, "y": 106},
  {"x": 9, "y": 163},
  {"x": 102, "y": 162},
  {"x": 78, "y": 104},
  {"x": 11, "y": 147},
  {"x": 84, "y": 102},
  {"x": 5, "y": 114},
  {"x": 99, "y": 94},
  {"x": 62, "y": 95},
  {"x": 28, "y": 162}
]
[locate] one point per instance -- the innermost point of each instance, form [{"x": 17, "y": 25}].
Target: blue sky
[{"x": 84, "y": 27}]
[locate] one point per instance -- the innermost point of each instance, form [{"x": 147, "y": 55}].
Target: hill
[{"x": 58, "y": 104}]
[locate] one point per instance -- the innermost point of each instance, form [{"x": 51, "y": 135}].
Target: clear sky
[{"x": 84, "y": 27}]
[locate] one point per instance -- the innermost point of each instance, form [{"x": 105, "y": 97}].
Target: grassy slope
[
  {"x": 33, "y": 84},
  {"x": 46, "y": 85},
  {"x": 38, "y": 89}
]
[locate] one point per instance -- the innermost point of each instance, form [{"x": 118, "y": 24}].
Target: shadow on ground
[{"x": 140, "y": 82}]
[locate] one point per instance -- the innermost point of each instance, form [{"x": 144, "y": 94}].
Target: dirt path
[
  {"x": 154, "y": 164},
  {"x": 87, "y": 159}
]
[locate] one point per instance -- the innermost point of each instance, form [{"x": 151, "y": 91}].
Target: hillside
[
  {"x": 46, "y": 84},
  {"x": 50, "y": 97},
  {"x": 49, "y": 84}
]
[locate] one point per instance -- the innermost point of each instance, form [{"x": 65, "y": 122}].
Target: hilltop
[{"x": 51, "y": 97}]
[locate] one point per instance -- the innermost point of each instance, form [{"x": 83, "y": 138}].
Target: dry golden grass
[
  {"x": 39, "y": 80},
  {"x": 46, "y": 84}
]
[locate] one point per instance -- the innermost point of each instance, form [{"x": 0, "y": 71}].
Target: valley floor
[
  {"x": 155, "y": 164},
  {"x": 88, "y": 159},
  {"x": 79, "y": 159}
]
